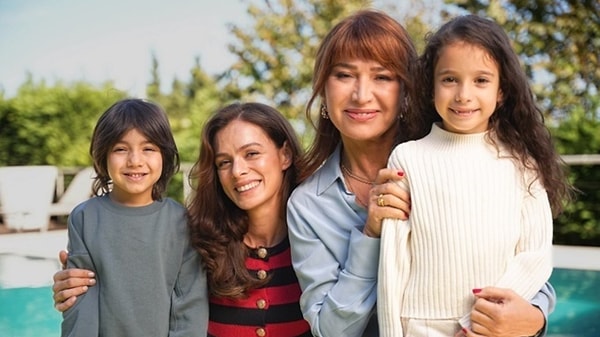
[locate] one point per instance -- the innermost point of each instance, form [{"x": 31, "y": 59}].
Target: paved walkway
[
  {"x": 30, "y": 259},
  {"x": 43, "y": 245}
]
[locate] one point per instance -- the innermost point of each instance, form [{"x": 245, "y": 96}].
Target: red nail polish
[
  {"x": 476, "y": 291},
  {"x": 464, "y": 331},
  {"x": 400, "y": 173}
]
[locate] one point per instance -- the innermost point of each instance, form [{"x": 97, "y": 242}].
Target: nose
[
  {"x": 463, "y": 94},
  {"x": 239, "y": 168},
  {"x": 134, "y": 158},
  {"x": 363, "y": 91}
]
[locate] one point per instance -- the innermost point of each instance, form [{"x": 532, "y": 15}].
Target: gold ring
[{"x": 380, "y": 201}]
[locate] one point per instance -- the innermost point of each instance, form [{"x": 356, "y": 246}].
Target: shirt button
[
  {"x": 262, "y": 252},
  {"x": 261, "y": 303},
  {"x": 260, "y": 332},
  {"x": 261, "y": 274}
]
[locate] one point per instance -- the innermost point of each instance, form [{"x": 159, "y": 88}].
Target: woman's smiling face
[{"x": 250, "y": 167}]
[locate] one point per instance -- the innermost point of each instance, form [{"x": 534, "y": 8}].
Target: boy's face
[{"x": 134, "y": 165}]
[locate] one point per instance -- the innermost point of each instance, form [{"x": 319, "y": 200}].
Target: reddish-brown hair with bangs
[{"x": 367, "y": 35}]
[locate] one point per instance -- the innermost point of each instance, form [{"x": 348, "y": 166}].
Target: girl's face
[
  {"x": 251, "y": 167},
  {"x": 466, "y": 88},
  {"x": 134, "y": 165},
  {"x": 362, "y": 100}
]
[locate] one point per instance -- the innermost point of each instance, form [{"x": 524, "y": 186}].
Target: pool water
[
  {"x": 577, "y": 313},
  {"x": 29, "y": 312}
]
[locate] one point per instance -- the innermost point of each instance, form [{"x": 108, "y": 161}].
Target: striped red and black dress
[{"x": 270, "y": 311}]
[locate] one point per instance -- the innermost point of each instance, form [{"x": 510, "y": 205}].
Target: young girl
[
  {"x": 482, "y": 184},
  {"x": 149, "y": 278},
  {"x": 244, "y": 175}
]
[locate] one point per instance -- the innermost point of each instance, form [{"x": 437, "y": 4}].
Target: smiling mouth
[
  {"x": 248, "y": 186},
  {"x": 363, "y": 112},
  {"x": 463, "y": 112},
  {"x": 135, "y": 175}
]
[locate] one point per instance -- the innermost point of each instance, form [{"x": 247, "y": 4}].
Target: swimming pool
[
  {"x": 26, "y": 307},
  {"x": 577, "y": 313},
  {"x": 29, "y": 312}
]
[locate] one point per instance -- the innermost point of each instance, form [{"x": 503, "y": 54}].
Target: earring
[{"x": 324, "y": 112}]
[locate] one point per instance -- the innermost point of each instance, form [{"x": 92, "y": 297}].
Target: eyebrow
[
  {"x": 351, "y": 66},
  {"x": 145, "y": 142},
  {"x": 478, "y": 72},
  {"x": 245, "y": 146}
]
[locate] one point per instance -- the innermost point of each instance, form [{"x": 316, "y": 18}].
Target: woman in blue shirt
[{"x": 363, "y": 81}]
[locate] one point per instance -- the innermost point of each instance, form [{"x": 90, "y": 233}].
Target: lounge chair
[
  {"x": 26, "y": 193},
  {"x": 78, "y": 191}
]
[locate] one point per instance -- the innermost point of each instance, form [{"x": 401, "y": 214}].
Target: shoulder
[
  {"x": 323, "y": 178},
  {"x": 405, "y": 150},
  {"x": 319, "y": 183},
  {"x": 91, "y": 205},
  {"x": 89, "y": 212},
  {"x": 307, "y": 187},
  {"x": 173, "y": 204},
  {"x": 172, "y": 209}
]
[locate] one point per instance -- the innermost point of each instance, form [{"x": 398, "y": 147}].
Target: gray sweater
[{"x": 149, "y": 279}]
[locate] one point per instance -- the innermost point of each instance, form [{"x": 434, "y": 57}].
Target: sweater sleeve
[
  {"x": 528, "y": 272},
  {"x": 532, "y": 265},
  {"x": 394, "y": 267},
  {"x": 189, "y": 312},
  {"x": 83, "y": 318}
]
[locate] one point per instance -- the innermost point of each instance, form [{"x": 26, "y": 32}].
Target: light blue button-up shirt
[{"x": 335, "y": 262}]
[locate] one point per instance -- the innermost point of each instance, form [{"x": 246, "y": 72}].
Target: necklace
[
  {"x": 356, "y": 194},
  {"x": 354, "y": 176}
]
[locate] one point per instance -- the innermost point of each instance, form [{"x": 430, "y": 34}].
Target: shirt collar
[{"x": 330, "y": 171}]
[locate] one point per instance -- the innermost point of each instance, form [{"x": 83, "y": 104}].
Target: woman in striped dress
[{"x": 243, "y": 177}]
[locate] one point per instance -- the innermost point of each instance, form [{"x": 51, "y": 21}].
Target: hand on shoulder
[{"x": 386, "y": 200}]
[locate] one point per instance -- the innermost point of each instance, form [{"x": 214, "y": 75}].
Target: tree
[
  {"x": 188, "y": 105},
  {"x": 51, "y": 124},
  {"x": 275, "y": 58},
  {"x": 580, "y": 223}
]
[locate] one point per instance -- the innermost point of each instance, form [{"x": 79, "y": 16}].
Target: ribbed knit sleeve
[
  {"x": 532, "y": 264},
  {"x": 393, "y": 275},
  {"x": 476, "y": 221}
]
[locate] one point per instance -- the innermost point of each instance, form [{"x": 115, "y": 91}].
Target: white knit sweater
[{"x": 473, "y": 224}]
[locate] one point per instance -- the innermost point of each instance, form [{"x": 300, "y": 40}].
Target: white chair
[
  {"x": 78, "y": 191},
  {"x": 26, "y": 193}
]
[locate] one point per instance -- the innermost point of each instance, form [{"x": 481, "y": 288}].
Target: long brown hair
[
  {"x": 366, "y": 35},
  {"x": 518, "y": 123},
  {"x": 217, "y": 225}
]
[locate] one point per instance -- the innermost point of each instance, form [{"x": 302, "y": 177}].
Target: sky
[{"x": 100, "y": 40}]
